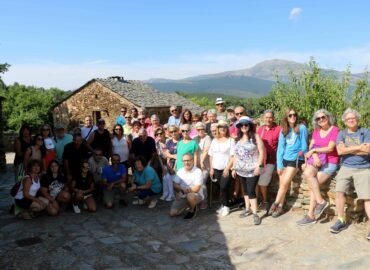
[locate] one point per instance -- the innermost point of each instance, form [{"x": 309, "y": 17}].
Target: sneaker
[
  {"x": 191, "y": 215},
  {"x": 273, "y": 208},
  {"x": 163, "y": 197},
  {"x": 219, "y": 210},
  {"x": 263, "y": 206},
  {"x": 320, "y": 208},
  {"x": 256, "y": 219},
  {"x": 152, "y": 203},
  {"x": 306, "y": 220},
  {"x": 278, "y": 212},
  {"x": 203, "y": 205},
  {"x": 244, "y": 213},
  {"x": 138, "y": 202},
  {"x": 225, "y": 211},
  {"x": 76, "y": 209},
  {"x": 169, "y": 199},
  {"x": 338, "y": 226}
]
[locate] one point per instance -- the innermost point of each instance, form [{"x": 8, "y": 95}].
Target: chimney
[{"x": 116, "y": 78}]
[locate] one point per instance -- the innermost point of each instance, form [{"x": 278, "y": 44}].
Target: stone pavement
[{"x": 135, "y": 237}]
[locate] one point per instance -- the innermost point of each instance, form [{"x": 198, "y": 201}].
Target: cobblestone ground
[{"x": 135, "y": 237}]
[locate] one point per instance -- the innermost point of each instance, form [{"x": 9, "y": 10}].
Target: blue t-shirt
[
  {"x": 148, "y": 174},
  {"x": 290, "y": 145},
  {"x": 121, "y": 120},
  {"x": 352, "y": 139},
  {"x": 113, "y": 176}
]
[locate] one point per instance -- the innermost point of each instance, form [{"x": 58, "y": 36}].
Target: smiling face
[
  {"x": 88, "y": 121},
  {"x": 268, "y": 119},
  {"x": 292, "y": 117},
  {"x": 322, "y": 120},
  {"x": 351, "y": 120},
  {"x": 188, "y": 162}
]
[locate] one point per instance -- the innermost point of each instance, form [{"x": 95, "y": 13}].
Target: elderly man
[
  {"x": 61, "y": 140},
  {"x": 188, "y": 183},
  {"x": 121, "y": 120},
  {"x": 353, "y": 144},
  {"x": 212, "y": 118},
  {"x": 269, "y": 134},
  {"x": 175, "y": 118},
  {"x": 88, "y": 128},
  {"x": 114, "y": 181},
  {"x": 143, "y": 146}
]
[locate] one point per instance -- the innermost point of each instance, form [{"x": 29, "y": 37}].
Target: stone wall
[
  {"x": 93, "y": 98},
  {"x": 298, "y": 198}
]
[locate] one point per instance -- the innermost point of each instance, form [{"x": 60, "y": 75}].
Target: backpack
[{"x": 14, "y": 190}]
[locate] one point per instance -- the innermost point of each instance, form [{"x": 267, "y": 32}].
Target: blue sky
[{"x": 66, "y": 43}]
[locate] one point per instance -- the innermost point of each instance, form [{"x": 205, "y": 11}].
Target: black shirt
[
  {"x": 83, "y": 183},
  {"x": 75, "y": 157},
  {"x": 54, "y": 184},
  {"x": 102, "y": 141},
  {"x": 145, "y": 149}
]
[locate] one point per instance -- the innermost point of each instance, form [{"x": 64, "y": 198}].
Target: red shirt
[{"x": 270, "y": 138}]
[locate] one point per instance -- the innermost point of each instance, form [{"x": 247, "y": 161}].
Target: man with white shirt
[{"x": 188, "y": 184}]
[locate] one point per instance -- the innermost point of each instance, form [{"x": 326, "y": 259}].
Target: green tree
[{"x": 361, "y": 99}]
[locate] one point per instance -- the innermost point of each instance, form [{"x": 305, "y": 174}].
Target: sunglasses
[
  {"x": 141, "y": 119},
  {"x": 244, "y": 125},
  {"x": 185, "y": 130},
  {"x": 159, "y": 133},
  {"x": 123, "y": 111},
  {"x": 292, "y": 115},
  {"x": 173, "y": 110},
  {"x": 322, "y": 118},
  {"x": 238, "y": 113},
  {"x": 204, "y": 114},
  {"x": 200, "y": 129}
]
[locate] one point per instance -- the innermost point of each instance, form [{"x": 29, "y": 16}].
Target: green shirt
[
  {"x": 148, "y": 174},
  {"x": 183, "y": 148},
  {"x": 60, "y": 143}
]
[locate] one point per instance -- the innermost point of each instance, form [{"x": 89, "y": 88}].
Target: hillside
[{"x": 249, "y": 82}]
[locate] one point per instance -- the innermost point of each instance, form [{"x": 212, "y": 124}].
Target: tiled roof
[{"x": 143, "y": 95}]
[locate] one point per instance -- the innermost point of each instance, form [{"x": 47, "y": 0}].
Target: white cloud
[
  {"x": 295, "y": 13},
  {"x": 72, "y": 76}
]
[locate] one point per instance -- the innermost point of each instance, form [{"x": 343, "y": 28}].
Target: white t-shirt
[
  {"x": 221, "y": 152},
  {"x": 204, "y": 143},
  {"x": 189, "y": 179},
  {"x": 120, "y": 147},
  {"x": 86, "y": 130}
]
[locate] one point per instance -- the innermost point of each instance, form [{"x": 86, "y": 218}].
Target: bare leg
[
  {"x": 91, "y": 205},
  {"x": 253, "y": 203},
  {"x": 285, "y": 180},
  {"x": 340, "y": 200}
]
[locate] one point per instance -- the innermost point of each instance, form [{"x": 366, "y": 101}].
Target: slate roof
[{"x": 143, "y": 95}]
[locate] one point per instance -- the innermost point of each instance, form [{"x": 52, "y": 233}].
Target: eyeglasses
[
  {"x": 200, "y": 129},
  {"x": 195, "y": 121},
  {"x": 174, "y": 110},
  {"x": 350, "y": 119},
  {"x": 187, "y": 160},
  {"x": 238, "y": 113},
  {"x": 204, "y": 114},
  {"x": 141, "y": 119},
  {"x": 321, "y": 118},
  {"x": 185, "y": 130},
  {"x": 213, "y": 130},
  {"x": 244, "y": 125},
  {"x": 118, "y": 129},
  {"x": 292, "y": 115},
  {"x": 159, "y": 133}
]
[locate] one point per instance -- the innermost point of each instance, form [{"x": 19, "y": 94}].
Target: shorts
[
  {"x": 346, "y": 177},
  {"x": 266, "y": 175},
  {"x": 182, "y": 203},
  {"x": 293, "y": 163},
  {"x": 108, "y": 196},
  {"x": 23, "y": 203},
  {"x": 329, "y": 168}
]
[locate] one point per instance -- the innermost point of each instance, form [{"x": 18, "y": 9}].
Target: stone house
[{"x": 103, "y": 98}]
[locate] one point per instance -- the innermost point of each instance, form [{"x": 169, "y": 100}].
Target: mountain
[{"x": 249, "y": 82}]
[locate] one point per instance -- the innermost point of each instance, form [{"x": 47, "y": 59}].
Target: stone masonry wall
[{"x": 298, "y": 198}]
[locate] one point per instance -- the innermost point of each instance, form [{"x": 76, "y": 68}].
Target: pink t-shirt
[{"x": 324, "y": 142}]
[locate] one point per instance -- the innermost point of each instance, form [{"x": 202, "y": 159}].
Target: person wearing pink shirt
[
  {"x": 154, "y": 125},
  {"x": 269, "y": 133},
  {"x": 239, "y": 111},
  {"x": 321, "y": 162}
]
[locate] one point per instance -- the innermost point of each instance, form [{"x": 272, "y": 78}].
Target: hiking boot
[
  {"x": 225, "y": 211},
  {"x": 76, "y": 209},
  {"x": 278, "y": 212},
  {"x": 320, "y": 208},
  {"x": 273, "y": 208},
  {"x": 244, "y": 213},
  {"x": 338, "y": 226},
  {"x": 256, "y": 219},
  {"x": 191, "y": 215},
  {"x": 306, "y": 220}
]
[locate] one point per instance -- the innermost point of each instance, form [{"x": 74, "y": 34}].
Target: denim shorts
[{"x": 329, "y": 168}]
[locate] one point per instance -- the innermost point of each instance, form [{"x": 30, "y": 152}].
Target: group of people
[{"x": 179, "y": 159}]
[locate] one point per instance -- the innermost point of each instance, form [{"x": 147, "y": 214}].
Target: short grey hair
[
  {"x": 212, "y": 112},
  {"x": 327, "y": 114},
  {"x": 349, "y": 110},
  {"x": 184, "y": 125}
]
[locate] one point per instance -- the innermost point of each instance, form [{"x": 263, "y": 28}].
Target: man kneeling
[{"x": 188, "y": 185}]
